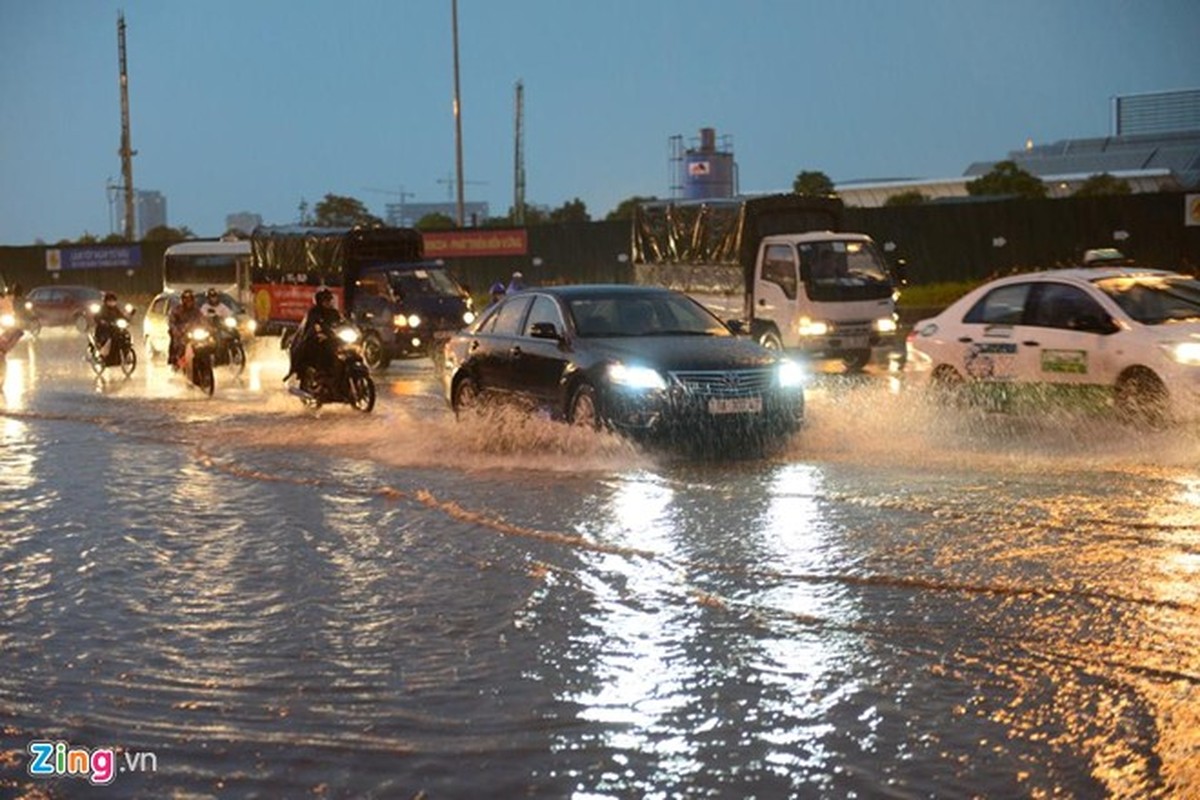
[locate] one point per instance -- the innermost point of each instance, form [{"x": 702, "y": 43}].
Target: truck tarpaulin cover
[
  {"x": 724, "y": 232},
  {"x": 329, "y": 256}
]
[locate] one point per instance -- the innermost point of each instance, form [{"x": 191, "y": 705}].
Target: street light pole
[{"x": 458, "y": 153}]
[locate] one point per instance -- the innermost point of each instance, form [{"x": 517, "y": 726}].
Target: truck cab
[
  {"x": 827, "y": 296},
  {"x": 408, "y": 309}
]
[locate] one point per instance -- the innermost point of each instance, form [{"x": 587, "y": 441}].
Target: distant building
[
  {"x": 1156, "y": 113},
  {"x": 406, "y": 215},
  {"x": 1155, "y": 147},
  {"x": 150, "y": 212},
  {"x": 243, "y": 221}
]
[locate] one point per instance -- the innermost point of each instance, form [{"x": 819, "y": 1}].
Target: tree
[
  {"x": 813, "y": 184},
  {"x": 1006, "y": 178},
  {"x": 335, "y": 211},
  {"x": 165, "y": 233},
  {"x": 436, "y": 222},
  {"x": 912, "y": 197},
  {"x": 625, "y": 209},
  {"x": 571, "y": 211},
  {"x": 1102, "y": 185}
]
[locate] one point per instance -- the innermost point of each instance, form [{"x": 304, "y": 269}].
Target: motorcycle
[
  {"x": 116, "y": 352},
  {"x": 350, "y": 382},
  {"x": 228, "y": 349},
  {"x": 196, "y": 363}
]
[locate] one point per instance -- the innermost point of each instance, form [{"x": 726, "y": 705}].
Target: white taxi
[{"x": 1131, "y": 334}]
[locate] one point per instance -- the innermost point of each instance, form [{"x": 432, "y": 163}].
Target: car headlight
[
  {"x": 199, "y": 334},
  {"x": 790, "y": 374},
  {"x": 414, "y": 321},
  {"x": 811, "y": 327},
  {"x": 229, "y": 322},
  {"x": 94, "y": 308},
  {"x": 468, "y": 317},
  {"x": 129, "y": 308},
  {"x": 348, "y": 335},
  {"x": 29, "y": 305},
  {"x": 1187, "y": 353},
  {"x": 885, "y": 325},
  {"x": 251, "y": 326},
  {"x": 7, "y": 321},
  {"x": 122, "y": 324},
  {"x": 631, "y": 377}
]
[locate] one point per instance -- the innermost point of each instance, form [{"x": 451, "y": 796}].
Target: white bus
[{"x": 221, "y": 265}]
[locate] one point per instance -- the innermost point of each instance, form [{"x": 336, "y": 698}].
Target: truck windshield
[
  {"x": 423, "y": 281},
  {"x": 839, "y": 271},
  {"x": 1155, "y": 300}
]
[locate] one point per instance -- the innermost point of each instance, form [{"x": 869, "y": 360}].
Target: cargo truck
[{"x": 803, "y": 285}]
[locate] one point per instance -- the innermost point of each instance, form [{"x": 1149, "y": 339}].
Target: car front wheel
[
  {"x": 583, "y": 409},
  {"x": 1141, "y": 397}
]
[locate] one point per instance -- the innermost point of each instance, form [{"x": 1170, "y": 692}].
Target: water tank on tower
[{"x": 709, "y": 169}]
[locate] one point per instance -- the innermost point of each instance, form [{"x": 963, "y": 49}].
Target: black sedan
[{"x": 642, "y": 360}]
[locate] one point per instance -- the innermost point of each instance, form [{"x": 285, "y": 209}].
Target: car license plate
[
  {"x": 853, "y": 342},
  {"x": 735, "y": 405}
]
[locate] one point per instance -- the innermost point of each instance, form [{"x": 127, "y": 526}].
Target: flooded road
[{"x": 234, "y": 597}]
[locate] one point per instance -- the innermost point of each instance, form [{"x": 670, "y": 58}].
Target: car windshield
[
  {"x": 424, "y": 281},
  {"x": 658, "y": 314},
  {"x": 1155, "y": 300}
]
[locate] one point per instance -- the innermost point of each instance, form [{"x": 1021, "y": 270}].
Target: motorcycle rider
[
  {"x": 106, "y": 322},
  {"x": 313, "y": 345},
  {"x": 183, "y": 317},
  {"x": 214, "y": 306}
]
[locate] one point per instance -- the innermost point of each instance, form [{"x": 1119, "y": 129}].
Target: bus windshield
[{"x": 200, "y": 265}]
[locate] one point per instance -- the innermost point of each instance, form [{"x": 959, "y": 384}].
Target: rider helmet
[
  {"x": 323, "y": 297},
  {"x": 213, "y": 297},
  {"x": 110, "y": 299}
]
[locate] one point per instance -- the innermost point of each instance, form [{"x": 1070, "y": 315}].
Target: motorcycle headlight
[
  {"x": 468, "y": 317},
  {"x": 811, "y": 327},
  {"x": 94, "y": 308},
  {"x": 414, "y": 321},
  {"x": 199, "y": 334},
  {"x": 7, "y": 321},
  {"x": 129, "y": 308},
  {"x": 630, "y": 377},
  {"x": 885, "y": 325},
  {"x": 230, "y": 323},
  {"x": 790, "y": 374},
  {"x": 251, "y": 325},
  {"x": 348, "y": 335},
  {"x": 1187, "y": 353},
  {"x": 29, "y": 305},
  {"x": 122, "y": 324}
]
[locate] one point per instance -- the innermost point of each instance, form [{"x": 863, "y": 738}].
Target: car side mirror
[
  {"x": 544, "y": 330},
  {"x": 737, "y": 327}
]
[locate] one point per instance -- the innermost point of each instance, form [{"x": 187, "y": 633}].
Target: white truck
[{"x": 803, "y": 285}]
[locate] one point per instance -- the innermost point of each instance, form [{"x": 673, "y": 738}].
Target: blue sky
[{"x": 254, "y": 105}]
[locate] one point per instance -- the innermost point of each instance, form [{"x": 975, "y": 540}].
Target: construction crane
[
  {"x": 450, "y": 184},
  {"x": 519, "y": 159},
  {"x": 403, "y": 195},
  {"x": 127, "y": 152}
]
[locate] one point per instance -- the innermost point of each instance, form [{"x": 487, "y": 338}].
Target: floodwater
[{"x": 241, "y": 598}]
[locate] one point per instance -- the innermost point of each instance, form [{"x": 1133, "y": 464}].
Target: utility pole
[
  {"x": 519, "y": 159},
  {"x": 458, "y": 154},
  {"x": 127, "y": 152}
]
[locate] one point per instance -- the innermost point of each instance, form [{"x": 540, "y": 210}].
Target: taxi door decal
[
  {"x": 1067, "y": 362},
  {"x": 981, "y": 359}
]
